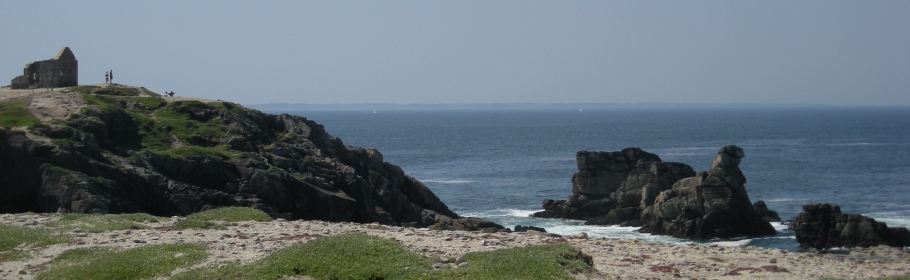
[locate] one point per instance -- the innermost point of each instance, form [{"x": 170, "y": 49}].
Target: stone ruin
[{"x": 60, "y": 71}]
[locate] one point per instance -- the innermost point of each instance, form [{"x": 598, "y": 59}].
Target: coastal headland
[{"x": 108, "y": 149}]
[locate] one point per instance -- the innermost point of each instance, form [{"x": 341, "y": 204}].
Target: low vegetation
[
  {"x": 100, "y": 223},
  {"x": 362, "y": 256},
  {"x": 13, "y": 113},
  {"x": 206, "y": 219},
  {"x": 108, "y": 90},
  {"x": 14, "y": 236},
  {"x": 138, "y": 263}
]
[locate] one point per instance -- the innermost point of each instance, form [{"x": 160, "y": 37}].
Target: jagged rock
[
  {"x": 713, "y": 204},
  {"x": 521, "y": 228},
  {"x": 762, "y": 210},
  {"x": 286, "y": 166},
  {"x": 822, "y": 226},
  {"x": 611, "y": 188}
]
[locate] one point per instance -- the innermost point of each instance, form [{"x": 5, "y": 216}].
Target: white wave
[
  {"x": 732, "y": 243},
  {"x": 520, "y": 213},
  {"x": 778, "y": 226},
  {"x": 441, "y": 181}
]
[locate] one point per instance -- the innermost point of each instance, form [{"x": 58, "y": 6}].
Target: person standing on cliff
[
  {"x": 112, "y": 76},
  {"x": 106, "y": 79}
]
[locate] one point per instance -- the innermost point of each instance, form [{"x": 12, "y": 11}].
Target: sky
[{"x": 843, "y": 53}]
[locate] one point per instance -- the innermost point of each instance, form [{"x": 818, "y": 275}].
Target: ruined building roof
[{"x": 65, "y": 53}]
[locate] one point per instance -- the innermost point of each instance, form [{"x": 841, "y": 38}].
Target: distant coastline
[{"x": 519, "y": 106}]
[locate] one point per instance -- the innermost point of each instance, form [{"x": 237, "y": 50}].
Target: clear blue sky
[{"x": 819, "y": 52}]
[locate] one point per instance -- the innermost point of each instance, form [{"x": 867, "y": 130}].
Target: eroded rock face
[
  {"x": 822, "y": 226},
  {"x": 712, "y": 204},
  {"x": 635, "y": 188},
  {"x": 287, "y": 166},
  {"x": 611, "y": 188}
]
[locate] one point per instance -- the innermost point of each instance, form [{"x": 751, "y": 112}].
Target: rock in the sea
[
  {"x": 822, "y": 226},
  {"x": 635, "y": 188},
  {"x": 768, "y": 215},
  {"x": 611, "y": 188},
  {"x": 181, "y": 157},
  {"x": 521, "y": 228},
  {"x": 713, "y": 204}
]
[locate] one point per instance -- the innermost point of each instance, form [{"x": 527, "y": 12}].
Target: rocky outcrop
[
  {"x": 713, "y": 204},
  {"x": 123, "y": 155},
  {"x": 635, "y": 188},
  {"x": 611, "y": 188},
  {"x": 822, "y": 226}
]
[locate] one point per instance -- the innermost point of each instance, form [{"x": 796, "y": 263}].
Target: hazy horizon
[{"x": 839, "y": 53}]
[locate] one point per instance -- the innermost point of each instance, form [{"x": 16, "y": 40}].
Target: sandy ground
[{"x": 613, "y": 258}]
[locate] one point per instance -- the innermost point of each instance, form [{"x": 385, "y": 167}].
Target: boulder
[
  {"x": 521, "y": 228},
  {"x": 762, "y": 210},
  {"x": 713, "y": 204},
  {"x": 612, "y": 188},
  {"x": 823, "y": 226}
]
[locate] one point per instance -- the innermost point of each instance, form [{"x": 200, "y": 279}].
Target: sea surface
[{"x": 501, "y": 164}]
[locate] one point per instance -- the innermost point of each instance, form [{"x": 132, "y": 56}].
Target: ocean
[{"x": 501, "y": 164}]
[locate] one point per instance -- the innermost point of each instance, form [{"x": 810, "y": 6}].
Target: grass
[
  {"x": 109, "y": 90},
  {"x": 205, "y": 219},
  {"x": 101, "y": 223},
  {"x": 12, "y": 236},
  {"x": 13, "y": 113},
  {"x": 179, "y": 119},
  {"x": 138, "y": 263},
  {"x": 362, "y": 256},
  {"x": 219, "y": 151}
]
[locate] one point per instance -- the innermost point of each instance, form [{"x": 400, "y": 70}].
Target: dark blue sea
[{"x": 501, "y": 164}]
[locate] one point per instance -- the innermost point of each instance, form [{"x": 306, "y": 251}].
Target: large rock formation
[
  {"x": 611, "y": 188},
  {"x": 822, "y": 226},
  {"x": 134, "y": 154},
  {"x": 635, "y": 188},
  {"x": 713, "y": 204}
]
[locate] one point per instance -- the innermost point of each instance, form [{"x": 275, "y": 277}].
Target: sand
[{"x": 613, "y": 258}]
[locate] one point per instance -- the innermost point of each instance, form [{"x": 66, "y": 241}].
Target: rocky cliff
[
  {"x": 123, "y": 154},
  {"x": 635, "y": 188},
  {"x": 822, "y": 226}
]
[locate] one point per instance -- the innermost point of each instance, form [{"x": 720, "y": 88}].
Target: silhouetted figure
[{"x": 112, "y": 76}]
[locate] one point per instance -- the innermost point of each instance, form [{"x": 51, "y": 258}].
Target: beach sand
[{"x": 613, "y": 258}]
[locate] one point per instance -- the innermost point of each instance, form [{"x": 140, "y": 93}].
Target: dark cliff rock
[
  {"x": 822, "y": 226},
  {"x": 635, "y": 188},
  {"x": 134, "y": 154},
  {"x": 713, "y": 204},
  {"x": 611, "y": 188}
]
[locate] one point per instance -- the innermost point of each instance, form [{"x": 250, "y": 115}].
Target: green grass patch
[
  {"x": 81, "y": 89},
  {"x": 138, "y": 263},
  {"x": 117, "y": 91},
  {"x": 535, "y": 262},
  {"x": 101, "y": 223},
  {"x": 362, "y": 256},
  {"x": 193, "y": 122},
  {"x": 13, "y": 113},
  {"x": 204, "y": 219},
  {"x": 219, "y": 151},
  {"x": 12, "y": 236}
]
